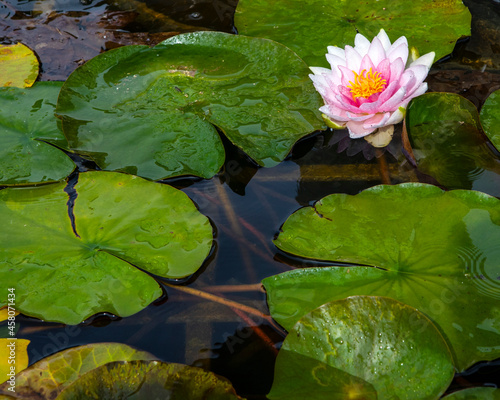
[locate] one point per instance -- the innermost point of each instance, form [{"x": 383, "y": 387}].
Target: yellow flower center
[{"x": 366, "y": 83}]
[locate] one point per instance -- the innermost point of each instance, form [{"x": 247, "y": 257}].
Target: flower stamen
[{"x": 366, "y": 83}]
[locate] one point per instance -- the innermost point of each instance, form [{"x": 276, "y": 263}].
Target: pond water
[{"x": 246, "y": 204}]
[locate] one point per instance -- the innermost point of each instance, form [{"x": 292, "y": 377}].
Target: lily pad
[
  {"x": 145, "y": 380},
  {"x": 309, "y": 26},
  {"x": 152, "y": 111},
  {"x": 446, "y": 140},
  {"x": 433, "y": 250},
  {"x": 121, "y": 221},
  {"x": 19, "y": 65},
  {"x": 479, "y": 393},
  {"x": 13, "y": 354},
  {"x": 26, "y": 121},
  {"x": 48, "y": 377},
  {"x": 387, "y": 345},
  {"x": 490, "y": 118}
]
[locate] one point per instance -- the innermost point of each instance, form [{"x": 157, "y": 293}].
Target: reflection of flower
[{"x": 368, "y": 86}]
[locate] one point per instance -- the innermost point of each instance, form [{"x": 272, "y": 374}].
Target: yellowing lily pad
[
  {"x": 121, "y": 222},
  {"x": 13, "y": 358},
  {"x": 433, "y": 250},
  {"x": 146, "y": 380},
  {"x": 48, "y": 377},
  {"x": 18, "y": 64}
]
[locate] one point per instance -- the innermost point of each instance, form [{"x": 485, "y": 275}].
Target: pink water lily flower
[{"x": 370, "y": 84}]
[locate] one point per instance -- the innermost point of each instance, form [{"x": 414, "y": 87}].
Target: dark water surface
[{"x": 246, "y": 204}]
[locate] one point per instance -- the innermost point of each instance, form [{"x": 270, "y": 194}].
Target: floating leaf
[
  {"x": 19, "y": 65},
  {"x": 490, "y": 118},
  {"x": 444, "y": 134},
  {"x": 4, "y": 313},
  {"x": 49, "y": 376},
  {"x": 26, "y": 121},
  {"x": 13, "y": 354},
  {"x": 145, "y": 380},
  {"x": 479, "y": 393},
  {"x": 385, "y": 344},
  {"x": 149, "y": 111},
  {"x": 435, "y": 251},
  {"x": 309, "y": 26},
  {"x": 120, "y": 220}
]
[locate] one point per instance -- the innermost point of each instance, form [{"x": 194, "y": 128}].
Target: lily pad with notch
[
  {"x": 126, "y": 227},
  {"x": 153, "y": 111},
  {"x": 433, "y": 250}
]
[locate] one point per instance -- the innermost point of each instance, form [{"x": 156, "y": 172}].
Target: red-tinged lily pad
[
  {"x": 18, "y": 64},
  {"x": 362, "y": 348},
  {"x": 122, "y": 222},
  {"x": 433, "y": 250}
]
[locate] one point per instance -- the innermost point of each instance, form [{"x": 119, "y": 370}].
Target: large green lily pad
[
  {"x": 309, "y": 26},
  {"x": 18, "y": 64},
  {"x": 445, "y": 135},
  {"x": 152, "y": 111},
  {"x": 433, "y": 250},
  {"x": 386, "y": 345},
  {"x": 479, "y": 393},
  {"x": 145, "y": 380},
  {"x": 122, "y": 222},
  {"x": 48, "y": 377},
  {"x": 26, "y": 120},
  {"x": 490, "y": 118}
]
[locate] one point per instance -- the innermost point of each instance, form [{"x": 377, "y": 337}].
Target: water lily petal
[
  {"x": 388, "y": 92},
  {"x": 384, "y": 67},
  {"x": 397, "y": 68},
  {"x": 366, "y": 63},
  {"x": 320, "y": 71},
  {"x": 335, "y": 61},
  {"x": 419, "y": 72},
  {"x": 396, "y": 117},
  {"x": 376, "y": 121},
  {"x": 399, "y": 52},
  {"x": 361, "y": 44},
  {"x": 397, "y": 43},
  {"x": 336, "y": 114},
  {"x": 426, "y": 60},
  {"x": 357, "y": 130},
  {"x": 376, "y": 51},
  {"x": 384, "y": 39},
  {"x": 359, "y": 117},
  {"x": 353, "y": 59},
  {"x": 336, "y": 51},
  {"x": 395, "y": 101},
  {"x": 347, "y": 76}
]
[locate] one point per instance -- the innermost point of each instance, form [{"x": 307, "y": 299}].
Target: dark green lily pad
[
  {"x": 122, "y": 221},
  {"x": 490, "y": 118},
  {"x": 19, "y": 65},
  {"x": 146, "y": 380},
  {"x": 479, "y": 393},
  {"x": 445, "y": 135},
  {"x": 26, "y": 120},
  {"x": 435, "y": 251},
  {"x": 309, "y": 26},
  {"x": 387, "y": 345},
  {"x": 152, "y": 111},
  {"x": 48, "y": 377}
]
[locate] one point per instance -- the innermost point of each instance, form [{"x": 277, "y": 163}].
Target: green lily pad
[
  {"x": 48, "y": 377},
  {"x": 479, "y": 393},
  {"x": 490, "y": 118},
  {"x": 387, "y": 345},
  {"x": 445, "y": 136},
  {"x": 433, "y": 250},
  {"x": 26, "y": 120},
  {"x": 152, "y": 111},
  {"x": 309, "y": 26},
  {"x": 122, "y": 221},
  {"x": 149, "y": 380},
  {"x": 19, "y": 65}
]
